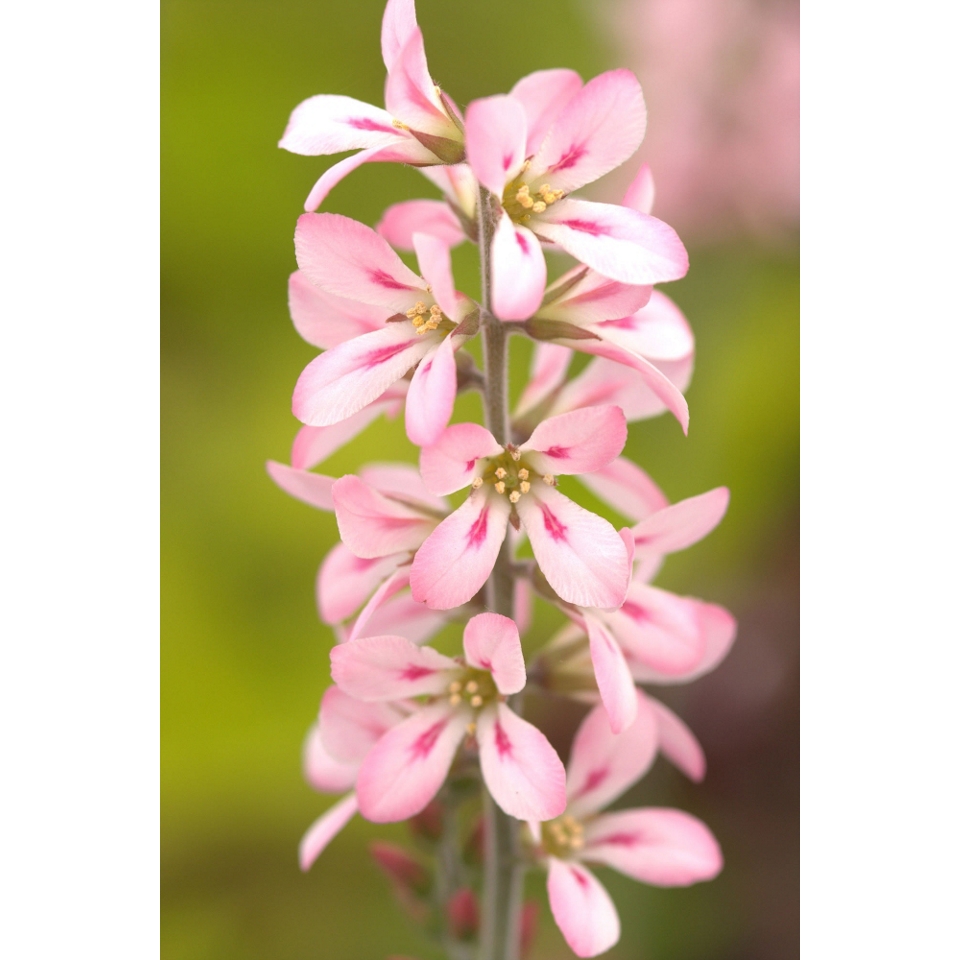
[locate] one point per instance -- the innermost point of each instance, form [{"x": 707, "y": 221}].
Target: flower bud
[{"x": 463, "y": 914}]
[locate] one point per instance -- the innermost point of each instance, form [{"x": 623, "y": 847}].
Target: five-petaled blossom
[
  {"x": 464, "y": 698},
  {"x": 581, "y": 555},
  {"x": 421, "y": 125},
  {"x": 663, "y": 847}
]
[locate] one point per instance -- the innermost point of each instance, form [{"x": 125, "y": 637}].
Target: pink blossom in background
[{"x": 721, "y": 79}]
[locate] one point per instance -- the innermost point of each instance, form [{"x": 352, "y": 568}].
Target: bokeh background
[{"x": 244, "y": 657}]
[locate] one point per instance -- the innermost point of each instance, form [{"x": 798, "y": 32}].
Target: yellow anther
[
  {"x": 500, "y": 473},
  {"x": 435, "y": 310},
  {"x": 524, "y": 474},
  {"x": 514, "y": 496},
  {"x": 455, "y": 687},
  {"x": 524, "y": 486},
  {"x": 477, "y": 483},
  {"x": 473, "y": 686},
  {"x": 576, "y": 842},
  {"x": 549, "y": 480},
  {"x": 454, "y": 699},
  {"x": 419, "y": 307},
  {"x": 515, "y": 454},
  {"x": 400, "y": 125},
  {"x": 539, "y": 207},
  {"x": 418, "y": 321},
  {"x": 476, "y": 700},
  {"x": 500, "y": 486}
]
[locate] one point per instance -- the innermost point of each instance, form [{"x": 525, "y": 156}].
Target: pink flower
[
  {"x": 332, "y": 753},
  {"x": 581, "y": 556},
  {"x": 420, "y": 126},
  {"x": 595, "y": 130},
  {"x": 427, "y": 322},
  {"x": 659, "y": 846},
  {"x": 406, "y": 768}
]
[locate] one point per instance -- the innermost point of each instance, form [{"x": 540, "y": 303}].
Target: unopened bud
[
  {"x": 400, "y": 867},
  {"x": 463, "y": 914},
  {"x": 528, "y": 926}
]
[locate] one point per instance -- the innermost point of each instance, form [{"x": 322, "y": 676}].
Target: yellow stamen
[
  {"x": 500, "y": 486},
  {"x": 477, "y": 483},
  {"x": 514, "y": 496},
  {"x": 549, "y": 480},
  {"x": 539, "y": 207},
  {"x": 455, "y": 687},
  {"x": 476, "y": 700},
  {"x": 454, "y": 699},
  {"x": 515, "y": 454},
  {"x": 524, "y": 474},
  {"x": 500, "y": 473},
  {"x": 524, "y": 486},
  {"x": 473, "y": 686}
]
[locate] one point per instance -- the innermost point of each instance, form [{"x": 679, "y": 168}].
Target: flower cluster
[{"x": 406, "y": 729}]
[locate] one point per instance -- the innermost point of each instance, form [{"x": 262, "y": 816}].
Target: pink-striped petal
[
  {"x": 324, "y": 320},
  {"x": 519, "y": 271},
  {"x": 434, "y": 217},
  {"x": 614, "y": 681},
  {"x": 458, "y": 184},
  {"x": 548, "y": 371},
  {"x": 603, "y": 764},
  {"x": 456, "y": 559},
  {"x": 403, "y": 615},
  {"x": 588, "y": 297},
  {"x": 601, "y": 126},
  {"x": 719, "y": 630},
  {"x": 579, "y": 553},
  {"x": 543, "y": 95},
  {"x": 345, "y": 581},
  {"x": 492, "y": 642},
  {"x": 342, "y": 381},
  {"x": 433, "y": 257},
  {"x": 312, "y": 445},
  {"x": 629, "y": 490},
  {"x": 397, "y": 581},
  {"x": 617, "y": 242},
  {"x": 350, "y": 260},
  {"x": 658, "y": 332},
  {"x": 451, "y": 463},
  {"x": 374, "y": 525},
  {"x": 403, "y": 150},
  {"x": 332, "y": 124},
  {"x": 659, "y": 629},
  {"x": 682, "y": 524},
  {"x": 582, "y": 908},
  {"x": 412, "y": 97},
  {"x": 496, "y": 140},
  {"x": 520, "y": 768},
  {"x": 433, "y": 391},
  {"x": 407, "y": 767},
  {"x": 641, "y": 193},
  {"x": 389, "y": 668},
  {"x": 324, "y": 829},
  {"x": 577, "y": 442},
  {"x": 677, "y": 742},
  {"x": 311, "y": 488},
  {"x": 350, "y": 727},
  {"x": 325, "y": 773},
  {"x": 399, "y": 22},
  {"x": 402, "y": 482},
  {"x": 668, "y": 848}
]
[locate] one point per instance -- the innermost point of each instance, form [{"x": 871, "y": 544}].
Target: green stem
[{"x": 503, "y": 870}]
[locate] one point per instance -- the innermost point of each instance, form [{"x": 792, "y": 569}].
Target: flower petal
[
  {"x": 629, "y": 490},
  {"x": 324, "y": 320},
  {"x": 399, "y": 22},
  {"x": 640, "y": 194},
  {"x": 374, "y": 525},
  {"x": 658, "y": 332},
  {"x": 403, "y": 615},
  {"x": 518, "y": 269},
  {"x": 543, "y": 95},
  {"x": 451, "y": 463},
  {"x": 433, "y": 257},
  {"x": 345, "y": 581},
  {"x": 496, "y": 140},
  {"x": 617, "y": 242},
  {"x": 456, "y": 559},
  {"x": 350, "y": 260},
  {"x": 577, "y": 442},
  {"x": 548, "y": 370},
  {"x": 350, "y": 727},
  {"x": 389, "y": 668},
  {"x": 407, "y": 767},
  {"x": 587, "y": 297},
  {"x": 433, "y": 390},
  {"x": 390, "y": 587},
  {"x": 582, "y": 908},
  {"x": 604, "y": 764},
  {"x": 601, "y": 126},
  {"x": 668, "y": 848},
  {"x": 322, "y": 771},
  {"x": 402, "y": 482},
  {"x": 324, "y": 829},
  {"x": 342, "y": 381},
  {"x": 401, "y": 221},
  {"x": 312, "y": 445},
  {"x": 312, "y": 488},
  {"x": 332, "y": 124},
  {"x": 520, "y": 768},
  {"x": 411, "y": 96},
  {"x": 613, "y": 676},
  {"x": 683, "y": 524},
  {"x": 579, "y": 553},
  {"x": 492, "y": 642},
  {"x": 677, "y": 742}
]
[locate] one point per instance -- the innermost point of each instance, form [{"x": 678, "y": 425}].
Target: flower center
[
  {"x": 563, "y": 837},
  {"x": 474, "y": 688},
  {"x": 520, "y": 203},
  {"x": 510, "y": 475},
  {"x": 425, "y": 319}
]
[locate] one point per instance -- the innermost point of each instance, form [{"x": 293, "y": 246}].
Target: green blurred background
[{"x": 244, "y": 657}]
